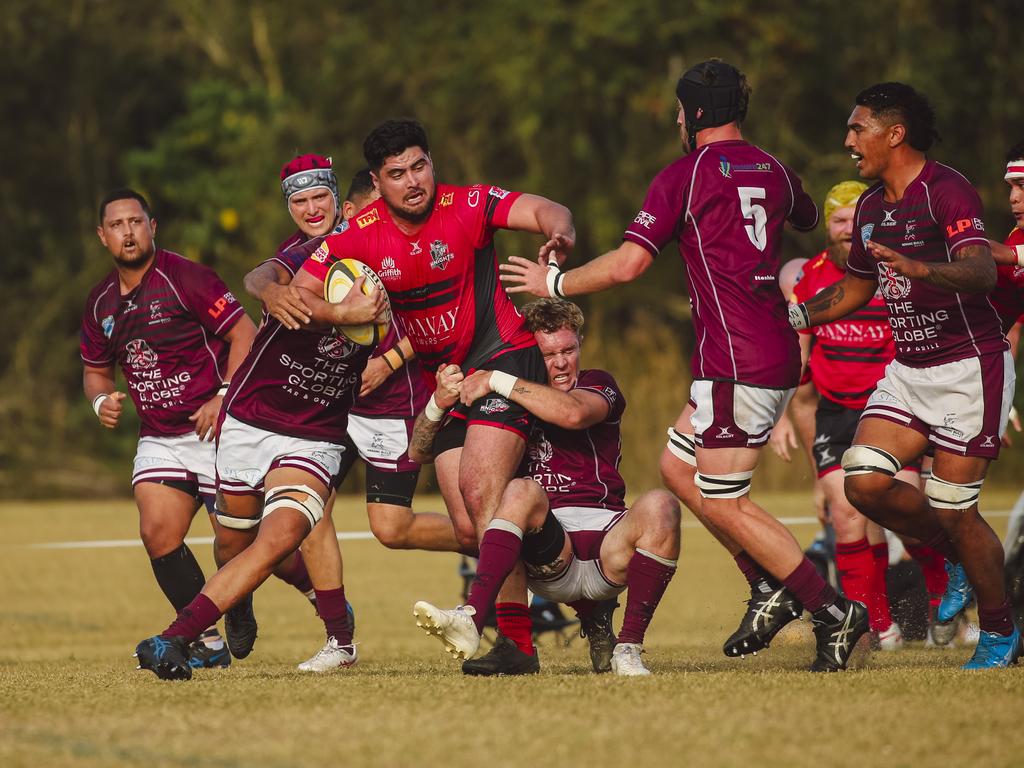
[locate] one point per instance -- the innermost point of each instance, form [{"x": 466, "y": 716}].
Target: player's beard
[
  {"x": 415, "y": 216},
  {"x": 839, "y": 252},
  {"x": 139, "y": 261}
]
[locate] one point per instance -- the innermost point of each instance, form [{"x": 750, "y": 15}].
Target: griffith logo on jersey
[
  {"x": 388, "y": 270},
  {"x": 368, "y": 218},
  {"x": 440, "y": 255},
  {"x": 140, "y": 355}
]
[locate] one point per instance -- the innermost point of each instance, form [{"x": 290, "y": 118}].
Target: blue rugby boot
[
  {"x": 958, "y": 595},
  {"x": 203, "y": 656},
  {"x": 995, "y": 651},
  {"x": 167, "y": 657}
]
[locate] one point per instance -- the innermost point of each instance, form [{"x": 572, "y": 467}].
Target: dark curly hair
[
  {"x": 1016, "y": 152},
  {"x": 124, "y": 193},
  {"x": 900, "y": 103},
  {"x": 392, "y": 137}
]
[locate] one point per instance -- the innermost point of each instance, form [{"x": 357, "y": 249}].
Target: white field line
[{"x": 365, "y": 535}]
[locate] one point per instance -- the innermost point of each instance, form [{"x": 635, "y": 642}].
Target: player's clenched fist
[
  {"x": 109, "y": 409},
  {"x": 449, "y": 382}
]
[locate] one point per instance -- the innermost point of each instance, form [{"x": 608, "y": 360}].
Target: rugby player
[
  {"x": 846, "y": 360},
  {"x": 919, "y": 237},
  {"x": 178, "y": 335},
  {"x": 380, "y": 421},
  {"x": 432, "y": 246},
  {"x": 726, "y": 202},
  {"x": 567, "y": 519},
  {"x": 279, "y": 449}
]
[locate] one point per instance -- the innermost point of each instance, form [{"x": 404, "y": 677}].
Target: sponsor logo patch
[
  {"x": 337, "y": 347},
  {"x": 495, "y": 405},
  {"x": 140, "y": 355},
  {"x": 498, "y": 192},
  {"x": 894, "y": 286},
  {"x": 320, "y": 254},
  {"x": 645, "y": 219},
  {"x": 447, "y": 199},
  {"x": 107, "y": 324},
  {"x": 865, "y": 232},
  {"x": 440, "y": 255},
  {"x": 887, "y": 219},
  {"x": 367, "y": 219}
]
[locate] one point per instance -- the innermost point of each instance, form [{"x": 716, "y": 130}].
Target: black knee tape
[
  {"x": 179, "y": 576},
  {"x": 545, "y": 545},
  {"x": 396, "y": 488}
]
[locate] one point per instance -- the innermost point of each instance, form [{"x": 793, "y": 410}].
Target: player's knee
[
  {"x": 956, "y": 497},
  {"x": 392, "y": 530},
  {"x": 659, "y": 511},
  {"x": 157, "y": 538},
  {"x": 524, "y": 503},
  {"x": 465, "y": 534},
  {"x": 868, "y": 473}
]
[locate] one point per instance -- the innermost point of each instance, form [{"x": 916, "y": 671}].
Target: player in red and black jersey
[
  {"x": 178, "y": 334},
  {"x": 433, "y": 247}
]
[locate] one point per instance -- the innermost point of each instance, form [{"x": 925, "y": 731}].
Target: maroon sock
[
  {"x": 499, "y": 553},
  {"x": 646, "y": 581},
  {"x": 940, "y": 543},
  {"x": 809, "y": 588},
  {"x": 298, "y": 576},
  {"x": 582, "y": 607},
  {"x": 333, "y": 610},
  {"x": 514, "y": 622},
  {"x": 933, "y": 566},
  {"x": 752, "y": 572},
  {"x": 998, "y": 619},
  {"x": 879, "y": 615},
  {"x": 194, "y": 618}
]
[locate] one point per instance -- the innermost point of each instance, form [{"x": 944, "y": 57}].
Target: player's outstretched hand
[
  {"x": 375, "y": 374},
  {"x": 284, "y": 303},
  {"x": 110, "y": 409},
  {"x": 556, "y": 248},
  {"x": 357, "y": 308},
  {"x": 783, "y": 439},
  {"x": 449, "y": 381},
  {"x": 524, "y": 276},
  {"x": 897, "y": 262},
  {"x": 205, "y": 418},
  {"x": 475, "y": 386}
]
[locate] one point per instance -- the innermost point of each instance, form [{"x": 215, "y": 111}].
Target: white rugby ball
[{"x": 340, "y": 279}]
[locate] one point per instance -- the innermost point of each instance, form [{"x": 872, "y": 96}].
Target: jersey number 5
[{"x": 755, "y": 213}]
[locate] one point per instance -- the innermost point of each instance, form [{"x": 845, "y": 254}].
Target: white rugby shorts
[
  {"x": 383, "y": 442},
  {"x": 182, "y": 458},
  {"x": 961, "y": 407},
  {"x": 732, "y": 415},
  {"x": 583, "y": 578},
  {"x": 245, "y": 454}
]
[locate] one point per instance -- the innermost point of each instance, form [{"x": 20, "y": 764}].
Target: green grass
[{"x": 69, "y": 693}]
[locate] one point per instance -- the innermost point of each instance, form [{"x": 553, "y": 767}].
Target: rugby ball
[{"x": 340, "y": 278}]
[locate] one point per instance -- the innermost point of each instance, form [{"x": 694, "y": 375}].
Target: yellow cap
[{"x": 843, "y": 194}]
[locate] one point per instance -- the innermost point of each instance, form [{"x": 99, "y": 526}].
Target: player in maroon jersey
[
  {"x": 279, "y": 450},
  {"x": 432, "y": 246},
  {"x": 919, "y": 237},
  {"x": 726, "y": 202},
  {"x": 178, "y": 335},
  {"x": 567, "y": 519}
]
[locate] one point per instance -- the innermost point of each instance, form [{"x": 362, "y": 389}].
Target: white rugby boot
[
  {"x": 454, "y": 628},
  {"x": 626, "y": 660},
  {"x": 331, "y": 656},
  {"x": 890, "y": 639}
]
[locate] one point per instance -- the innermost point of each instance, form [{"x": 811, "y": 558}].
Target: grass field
[{"x": 70, "y": 695}]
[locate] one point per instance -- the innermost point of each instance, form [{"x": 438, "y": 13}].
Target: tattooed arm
[
  {"x": 833, "y": 303},
  {"x": 575, "y": 409},
  {"x": 972, "y": 270},
  {"x": 430, "y": 421}
]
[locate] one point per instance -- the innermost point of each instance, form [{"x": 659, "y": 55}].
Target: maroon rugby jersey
[
  {"x": 726, "y": 204},
  {"x": 940, "y": 213},
  {"x": 443, "y": 280},
  {"x": 298, "y": 383},
  {"x": 1008, "y": 296},
  {"x": 848, "y": 356},
  {"x": 404, "y": 393},
  {"x": 580, "y": 467},
  {"x": 166, "y": 336}
]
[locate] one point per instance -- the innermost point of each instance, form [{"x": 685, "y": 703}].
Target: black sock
[{"x": 179, "y": 576}]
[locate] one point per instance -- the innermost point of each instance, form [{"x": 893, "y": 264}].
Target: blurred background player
[
  {"x": 567, "y": 519},
  {"x": 279, "y": 450},
  {"x": 726, "y": 202},
  {"x": 919, "y": 238},
  {"x": 433, "y": 247},
  {"x": 178, "y": 335}
]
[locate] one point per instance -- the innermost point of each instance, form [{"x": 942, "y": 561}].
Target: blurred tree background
[{"x": 198, "y": 104}]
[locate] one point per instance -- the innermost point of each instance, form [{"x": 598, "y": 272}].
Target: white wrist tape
[
  {"x": 798, "y": 317},
  {"x": 433, "y": 411},
  {"x": 98, "y": 401},
  {"x": 502, "y": 383},
  {"x": 223, "y": 389},
  {"x": 554, "y": 281},
  {"x": 1019, "y": 250}
]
